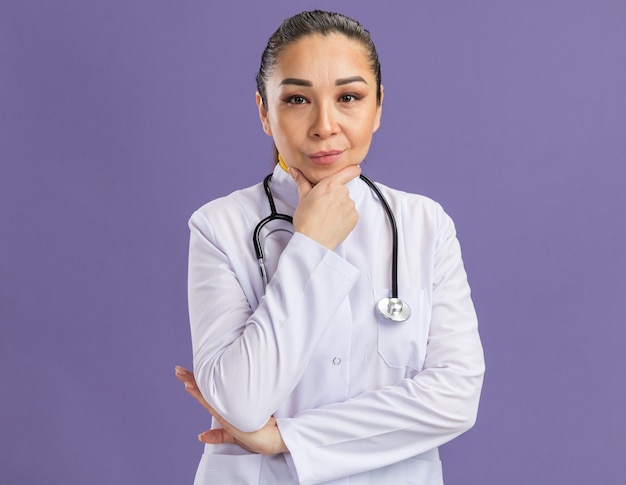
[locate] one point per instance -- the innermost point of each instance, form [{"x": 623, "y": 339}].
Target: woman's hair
[{"x": 310, "y": 23}]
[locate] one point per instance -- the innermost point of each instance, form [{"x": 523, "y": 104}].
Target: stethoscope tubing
[
  {"x": 274, "y": 215},
  {"x": 394, "y": 232}
]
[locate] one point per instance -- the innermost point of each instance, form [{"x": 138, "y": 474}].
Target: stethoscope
[{"x": 391, "y": 308}]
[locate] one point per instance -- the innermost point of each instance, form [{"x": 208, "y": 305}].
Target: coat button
[{"x": 336, "y": 361}]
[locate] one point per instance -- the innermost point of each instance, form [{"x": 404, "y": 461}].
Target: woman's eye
[
  {"x": 348, "y": 98},
  {"x": 297, "y": 100}
]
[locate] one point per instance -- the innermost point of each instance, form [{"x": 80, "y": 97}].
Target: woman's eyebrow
[
  {"x": 296, "y": 82},
  {"x": 349, "y": 80},
  {"x": 339, "y": 82}
]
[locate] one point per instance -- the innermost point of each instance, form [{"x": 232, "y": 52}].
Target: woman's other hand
[{"x": 266, "y": 441}]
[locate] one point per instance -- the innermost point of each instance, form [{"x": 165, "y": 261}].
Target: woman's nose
[{"x": 324, "y": 123}]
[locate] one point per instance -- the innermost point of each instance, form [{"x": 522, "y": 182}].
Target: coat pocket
[{"x": 403, "y": 344}]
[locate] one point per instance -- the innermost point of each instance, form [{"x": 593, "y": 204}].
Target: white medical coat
[{"x": 358, "y": 399}]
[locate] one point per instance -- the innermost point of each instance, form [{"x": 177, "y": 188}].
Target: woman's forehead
[{"x": 332, "y": 55}]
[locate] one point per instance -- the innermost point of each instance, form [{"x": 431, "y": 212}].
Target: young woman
[{"x": 327, "y": 369}]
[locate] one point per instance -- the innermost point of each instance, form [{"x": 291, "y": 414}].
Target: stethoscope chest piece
[{"x": 394, "y": 309}]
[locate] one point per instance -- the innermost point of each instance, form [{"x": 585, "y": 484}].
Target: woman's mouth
[{"x": 326, "y": 157}]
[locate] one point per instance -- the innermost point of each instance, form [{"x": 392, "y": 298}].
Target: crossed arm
[{"x": 266, "y": 441}]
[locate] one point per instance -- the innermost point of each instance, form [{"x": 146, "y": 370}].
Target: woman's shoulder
[
  {"x": 410, "y": 200},
  {"x": 418, "y": 211},
  {"x": 229, "y": 209}
]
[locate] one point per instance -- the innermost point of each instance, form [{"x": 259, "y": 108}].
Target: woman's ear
[{"x": 263, "y": 115}]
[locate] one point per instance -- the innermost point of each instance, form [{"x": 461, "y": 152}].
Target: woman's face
[{"x": 321, "y": 105}]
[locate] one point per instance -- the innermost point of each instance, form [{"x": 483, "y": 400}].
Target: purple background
[{"x": 119, "y": 118}]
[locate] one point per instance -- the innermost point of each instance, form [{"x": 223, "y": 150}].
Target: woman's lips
[{"x": 325, "y": 157}]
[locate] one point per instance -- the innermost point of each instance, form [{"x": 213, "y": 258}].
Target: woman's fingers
[
  {"x": 184, "y": 375},
  {"x": 187, "y": 378},
  {"x": 215, "y": 436}
]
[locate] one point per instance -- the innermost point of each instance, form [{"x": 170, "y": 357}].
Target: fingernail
[{"x": 188, "y": 385}]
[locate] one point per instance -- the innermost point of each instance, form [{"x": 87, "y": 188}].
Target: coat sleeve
[
  {"x": 388, "y": 425},
  {"x": 247, "y": 362}
]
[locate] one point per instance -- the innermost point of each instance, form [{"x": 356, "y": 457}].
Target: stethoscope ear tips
[{"x": 394, "y": 309}]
